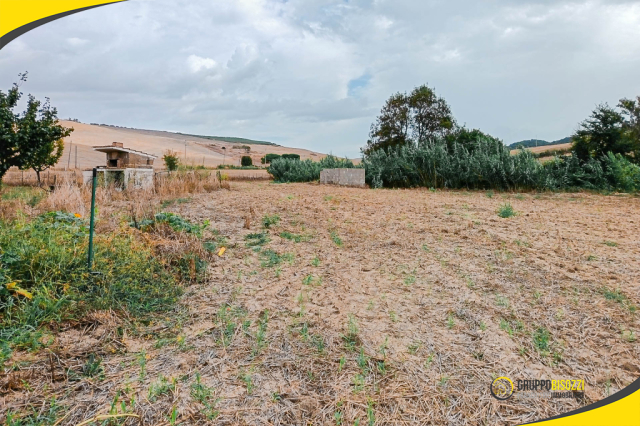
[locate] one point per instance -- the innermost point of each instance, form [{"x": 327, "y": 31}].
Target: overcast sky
[{"x": 315, "y": 73}]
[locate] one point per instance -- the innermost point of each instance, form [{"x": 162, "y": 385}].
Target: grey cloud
[{"x": 314, "y": 73}]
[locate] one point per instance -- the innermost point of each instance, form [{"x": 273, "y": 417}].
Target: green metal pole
[{"x": 93, "y": 210}]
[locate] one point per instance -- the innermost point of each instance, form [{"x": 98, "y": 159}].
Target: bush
[
  {"x": 246, "y": 161},
  {"x": 487, "y": 164},
  {"x": 172, "y": 161},
  {"x": 291, "y": 156},
  {"x": 288, "y": 170},
  {"x": 506, "y": 211},
  {"x": 435, "y": 163},
  {"x": 270, "y": 157}
]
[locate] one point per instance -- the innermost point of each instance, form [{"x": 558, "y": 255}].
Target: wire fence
[{"x": 53, "y": 177}]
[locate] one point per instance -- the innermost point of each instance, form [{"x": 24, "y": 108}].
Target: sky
[{"x": 315, "y": 73}]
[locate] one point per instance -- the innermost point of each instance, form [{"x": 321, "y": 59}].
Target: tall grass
[{"x": 488, "y": 164}]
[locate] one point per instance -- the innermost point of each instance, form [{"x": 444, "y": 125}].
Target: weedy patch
[
  {"x": 350, "y": 337},
  {"x": 336, "y": 238},
  {"x": 269, "y": 221},
  {"x": 204, "y": 395},
  {"x": 506, "y": 211},
  {"x": 161, "y": 387},
  {"x": 270, "y": 258},
  {"x": 257, "y": 240},
  {"x": 174, "y": 221},
  {"x": 294, "y": 237},
  {"x": 43, "y": 263}
]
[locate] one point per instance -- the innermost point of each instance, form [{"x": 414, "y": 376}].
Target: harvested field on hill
[{"x": 334, "y": 305}]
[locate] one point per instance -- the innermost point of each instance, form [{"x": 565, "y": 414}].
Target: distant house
[{"x": 124, "y": 167}]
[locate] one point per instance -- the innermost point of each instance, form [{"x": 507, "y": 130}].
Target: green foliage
[
  {"x": 268, "y": 159},
  {"x": 541, "y": 339},
  {"x": 33, "y": 139},
  {"x": 256, "y": 240},
  {"x": 406, "y": 119},
  {"x": 294, "y": 237},
  {"x": 506, "y": 211},
  {"x": 29, "y": 195},
  {"x": 288, "y": 170},
  {"x": 46, "y": 260},
  {"x": 174, "y": 221},
  {"x": 267, "y": 220},
  {"x": 291, "y": 156},
  {"x": 40, "y": 136},
  {"x": 488, "y": 164},
  {"x": 601, "y": 133},
  {"x": 171, "y": 160},
  {"x": 246, "y": 161},
  {"x": 484, "y": 163}
]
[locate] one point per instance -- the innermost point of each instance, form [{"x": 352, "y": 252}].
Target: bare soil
[{"x": 395, "y": 307}]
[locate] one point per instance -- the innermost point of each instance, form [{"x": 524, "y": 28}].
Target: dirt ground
[{"x": 394, "y": 307}]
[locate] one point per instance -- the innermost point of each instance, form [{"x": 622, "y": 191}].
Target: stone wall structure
[{"x": 344, "y": 177}]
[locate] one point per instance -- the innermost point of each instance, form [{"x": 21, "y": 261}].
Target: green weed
[
  {"x": 506, "y": 211},
  {"x": 268, "y": 221}
]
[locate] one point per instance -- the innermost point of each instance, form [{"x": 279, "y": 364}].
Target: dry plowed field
[{"x": 373, "y": 306}]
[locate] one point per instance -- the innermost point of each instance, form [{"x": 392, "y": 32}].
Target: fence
[{"x": 47, "y": 178}]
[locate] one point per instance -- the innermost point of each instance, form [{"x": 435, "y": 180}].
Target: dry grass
[{"x": 428, "y": 297}]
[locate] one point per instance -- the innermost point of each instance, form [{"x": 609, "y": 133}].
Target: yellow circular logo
[{"x": 502, "y": 388}]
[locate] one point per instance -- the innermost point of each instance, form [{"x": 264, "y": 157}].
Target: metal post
[{"x": 91, "y": 221}]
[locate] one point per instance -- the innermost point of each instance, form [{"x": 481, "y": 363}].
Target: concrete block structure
[
  {"x": 344, "y": 177},
  {"x": 126, "y": 168}
]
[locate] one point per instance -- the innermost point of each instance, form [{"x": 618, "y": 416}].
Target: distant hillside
[
  {"x": 232, "y": 139},
  {"x": 532, "y": 143}
]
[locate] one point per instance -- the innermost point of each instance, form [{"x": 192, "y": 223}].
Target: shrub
[
  {"x": 171, "y": 160},
  {"x": 291, "y": 156},
  {"x": 506, "y": 211},
  {"x": 246, "y": 161},
  {"x": 487, "y": 164},
  {"x": 270, "y": 157},
  {"x": 267, "y": 220},
  {"x": 288, "y": 170}
]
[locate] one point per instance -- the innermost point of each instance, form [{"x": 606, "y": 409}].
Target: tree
[
  {"x": 171, "y": 160},
  {"x": 392, "y": 125},
  {"x": 40, "y": 136},
  {"x": 601, "y": 133},
  {"x": 270, "y": 157},
  {"x": 246, "y": 161},
  {"x": 406, "y": 119},
  {"x": 8, "y": 125},
  {"x": 431, "y": 116},
  {"x": 631, "y": 127},
  {"x": 291, "y": 156}
]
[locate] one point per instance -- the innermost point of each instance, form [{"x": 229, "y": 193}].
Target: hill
[
  {"x": 232, "y": 139},
  {"x": 209, "y": 151},
  {"x": 532, "y": 143}
]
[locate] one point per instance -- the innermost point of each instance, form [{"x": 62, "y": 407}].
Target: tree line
[
  {"x": 32, "y": 139},
  {"x": 415, "y": 141}
]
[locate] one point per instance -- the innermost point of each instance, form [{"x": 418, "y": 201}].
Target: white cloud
[
  {"x": 197, "y": 63},
  {"x": 314, "y": 73}
]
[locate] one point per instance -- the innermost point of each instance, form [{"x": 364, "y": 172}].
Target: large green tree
[
  {"x": 631, "y": 111},
  {"x": 603, "y": 132},
  {"x": 40, "y": 135},
  {"x": 8, "y": 125},
  {"x": 406, "y": 119},
  {"x": 33, "y": 139}
]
